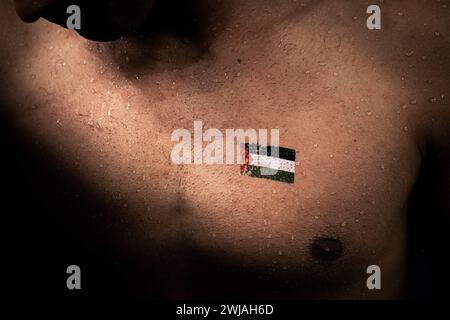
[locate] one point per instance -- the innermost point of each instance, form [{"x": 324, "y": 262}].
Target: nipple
[{"x": 326, "y": 249}]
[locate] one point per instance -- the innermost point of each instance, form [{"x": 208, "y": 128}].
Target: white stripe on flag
[{"x": 259, "y": 160}]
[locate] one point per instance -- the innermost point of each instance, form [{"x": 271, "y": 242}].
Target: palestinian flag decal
[{"x": 273, "y": 163}]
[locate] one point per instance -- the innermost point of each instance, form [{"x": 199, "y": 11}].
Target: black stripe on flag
[{"x": 283, "y": 153}]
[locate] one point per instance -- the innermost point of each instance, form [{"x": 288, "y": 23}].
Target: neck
[
  {"x": 190, "y": 18},
  {"x": 196, "y": 28}
]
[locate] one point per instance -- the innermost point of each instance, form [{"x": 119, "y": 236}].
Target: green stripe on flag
[{"x": 271, "y": 174}]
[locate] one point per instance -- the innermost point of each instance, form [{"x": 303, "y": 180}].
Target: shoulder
[
  {"x": 419, "y": 33},
  {"x": 434, "y": 75}
]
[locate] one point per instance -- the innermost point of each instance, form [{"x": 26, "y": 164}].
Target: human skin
[{"x": 360, "y": 108}]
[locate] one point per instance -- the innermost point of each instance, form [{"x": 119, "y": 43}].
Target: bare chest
[{"x": 355, "y": 159}]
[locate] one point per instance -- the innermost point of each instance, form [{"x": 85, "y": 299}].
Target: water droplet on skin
[
  {"x": 369, "y": 113},
  {"x": 382, "y": 166},
  {"x": 433, "y": 100},
  {"x": 280, "y": 253},
  {"x": 413, "y": 102},
  {"x": 343, "y": 224},
  {"x": 269, "y": 236},
  {"x": 405, "y": 128},
  {"x": 60, "y": 63},
  {"x": 404, "y": 106},
  {"x": 400, "y": 14},
  {"x": 410, "y": 53}
]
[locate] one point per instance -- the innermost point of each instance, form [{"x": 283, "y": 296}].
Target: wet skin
[{"x": 360, "y": 108}]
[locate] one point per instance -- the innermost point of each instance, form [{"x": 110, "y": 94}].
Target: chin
[
  {"x": 102, "y": 35},
  {"x": 97, "y": 23},
  {"x": 94, "y": 29}
]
